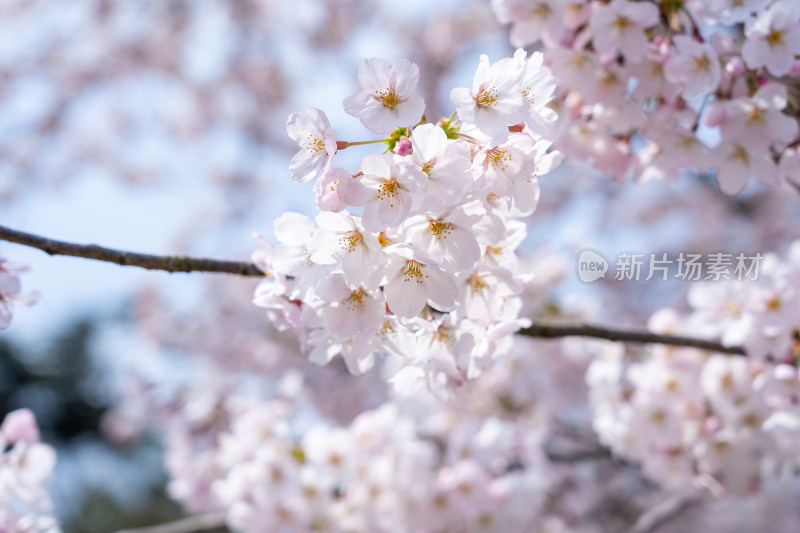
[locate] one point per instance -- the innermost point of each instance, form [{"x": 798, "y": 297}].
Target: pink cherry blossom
[
  {"x": 386, "y": 99},
  {"x": 317, "y": 140},
  {"x": 619, "y": 28},
  {"x": 773, "y": 38}
]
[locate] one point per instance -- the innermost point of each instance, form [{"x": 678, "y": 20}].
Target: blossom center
[
  {"x": 621, "y": 23},
  {"x": 315, "y": 145},
  {"x": 388, "y": 190},
  {"x": 389, "y": 97},
  {"x": 740, "y": 154},
  {"x": 702, "y": 63},
  {"x": 542, "y": 10},
  {"x": 350, "y": 241},
  {"x": 440, "y": 229},
  {"x": 476, "y": 283},
  {"x": 356, "y": 299},
  {"x": 413, "y": 271},
  {"x": 498, "y": 158},
  {"x": 775, "y": 38},
  {"x": 487, "y": 97}
]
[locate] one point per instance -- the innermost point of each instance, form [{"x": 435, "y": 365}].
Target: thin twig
[
  {"x": 552, "y": 331},
  {"x": 667, "y": 510},
  {"x": 172, "y": 263},
  {"x": 185, "y": 525}
]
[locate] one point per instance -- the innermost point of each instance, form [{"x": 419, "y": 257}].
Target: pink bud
[
  {"x": 711, "y": 425},
  {"x": 20, "y": 425},
  {"x": 794, "y": 72},
  {"x": 735, "y": 67},
  {"x": 402, "y": 147}
]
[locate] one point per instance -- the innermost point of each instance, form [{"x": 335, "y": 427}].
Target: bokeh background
[{"x": 158, "y": 126}]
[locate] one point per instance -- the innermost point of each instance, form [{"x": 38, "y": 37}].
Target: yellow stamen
[{"x": 388, "y": 97}]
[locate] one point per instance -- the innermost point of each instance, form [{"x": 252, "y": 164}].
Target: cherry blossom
[
  {"x": 619, "y": 27},
  {"x": 317, "y": 140},
  {"x": 495, "y": 100},
  {"x": 773, "y": 38},
  {"x": 386, "y": 99}
]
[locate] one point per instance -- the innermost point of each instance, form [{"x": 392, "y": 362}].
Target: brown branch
[
  {"x": 172, "y": 263},
  {"x": 193, "y": 264},
  {"x": 206, "y": 522},
  {"x": 552, "y": 331}
]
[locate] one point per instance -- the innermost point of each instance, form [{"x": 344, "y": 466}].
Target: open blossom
[
  {"x": 342, "y": 239},
  {"x": 695, "y": 66},
  {"x": 619, "y": 27},
  {"x": 499, "y": 165},
  {"x": 385, "y": 190},
  {"x": 737, "y": 161},
  {"x": 446, "y": 170},
  {"x": 386, "y": 100},
  {"x": 413, "y": 280},
  {"x": 351, "y": 311},
  {"x": 495, "y": 102},
  {"x": 773, "y": 38},
  {"x": 531, "y": 20},
  {"x": 759, "y": 120},
  {"x": 538, "y": 87},
  {"x": 449, "y": 237},
  {"x": 317, "y": 140}
]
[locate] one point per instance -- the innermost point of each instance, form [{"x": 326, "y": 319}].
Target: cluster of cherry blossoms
[
  {"x": 415, "y": 252},
  {"x": 652, "y": 89},
  {"x": 25, "y": 467},
  {"x": 684, "y": 414}
]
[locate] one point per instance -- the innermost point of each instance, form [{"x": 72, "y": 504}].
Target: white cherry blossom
[
  {"x": 317, "y": 140},
  {"x": 386, "y": 100}
]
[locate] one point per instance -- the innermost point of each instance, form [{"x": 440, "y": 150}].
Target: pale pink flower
[
  {"x": 446, "y": 170},
  {"x": 448, "y": 237},
  {"x": 386, "y": 100},
  {"x": 773, "y": 38},
  {"x": 695, "y": 66},
  {"x": 737, "y": 161},
  {"x": 495, "y": 101},
  {"x": 341, "y": 239},
  {"x": 326, "y": 190},
  {"x": 317, "y": 139},
  {"x": 538, "y": 87},
  {"x": 351, "y": 311},
  {"x": 531, "y": 20},
  {"x": 412, "y": 281},
  {"x": 619, "y": 27},
  {"x": 385, "y": 190},
  {"x": 759, "y": 121}
]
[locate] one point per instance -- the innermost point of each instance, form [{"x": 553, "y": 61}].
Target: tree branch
[
  {"x": 552, "y": 331},
  {"x": 215, "y": 521},
  {"x": 667, "y": 510},
  {"x": 193, "y": 264},
  {"x": 152, "y": 262}
]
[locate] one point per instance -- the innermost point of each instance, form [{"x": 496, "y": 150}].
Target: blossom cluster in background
[{"x": 650, "y": 90}]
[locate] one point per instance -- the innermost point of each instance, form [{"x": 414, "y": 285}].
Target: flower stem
[{"x": 341, "y": 145}]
